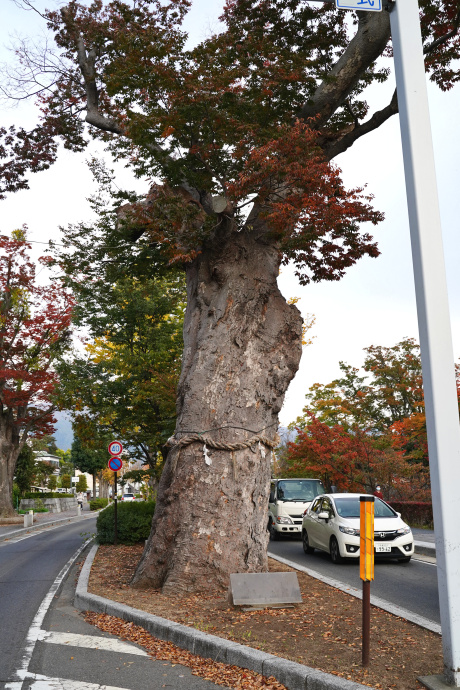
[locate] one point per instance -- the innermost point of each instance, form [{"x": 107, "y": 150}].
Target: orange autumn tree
[
  {"x": 238, "y": 134},
  {"x": 354, "y": 460}
]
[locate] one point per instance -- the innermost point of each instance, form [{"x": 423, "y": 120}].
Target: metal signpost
[
  {"x": 366, "y": 567},
  {"x": 439, "y": 384},
  {"x": 115, "y": 463}
]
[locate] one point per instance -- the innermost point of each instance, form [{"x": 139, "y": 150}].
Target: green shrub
[
  {"x": 133, "y": 523},
  {"x": 98, "y": 503},
  {"x": 47, "y": 494}
]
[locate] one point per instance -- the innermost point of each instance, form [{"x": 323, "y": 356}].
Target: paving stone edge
[{"x": 291, "y": 674}]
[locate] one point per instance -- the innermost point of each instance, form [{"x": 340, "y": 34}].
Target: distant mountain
[{"x": 63, "y": 433}]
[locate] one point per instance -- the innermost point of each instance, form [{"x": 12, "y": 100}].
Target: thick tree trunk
[
  {"x": 242, "y": 347},
  {"x": 10, "y": 448}
]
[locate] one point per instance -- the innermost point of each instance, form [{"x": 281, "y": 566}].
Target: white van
[{"x": 289, "y": 498}]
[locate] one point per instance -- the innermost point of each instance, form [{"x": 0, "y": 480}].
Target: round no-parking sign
[
  {"x": 115, "y": 464},
  {"x": 115, "y": 448}
]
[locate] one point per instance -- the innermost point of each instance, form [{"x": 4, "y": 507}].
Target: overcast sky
[{"x": 373, "y": 305}]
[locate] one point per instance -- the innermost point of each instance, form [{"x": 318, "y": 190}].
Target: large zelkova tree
[
  {"x": 238, "y": 134},
  {"x": 34, "y": 334}
]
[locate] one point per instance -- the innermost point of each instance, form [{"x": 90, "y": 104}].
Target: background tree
[
  {"x": 25, "y": 468},
  {"x": 52, "y": 482},
  {"x": 66, "y": 481},
  {"x": 34, "y": 335},
  {"x": 390, "y": 390},
  {"x": 82, "y": 484},
  {"x": 88, "y": 459},
  {"x": 240, "y": 131},
  {"x": 360, "y": 431}
]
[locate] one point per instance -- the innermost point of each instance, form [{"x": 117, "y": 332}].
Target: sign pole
[
  {"x": 115, "y": 498},
  {"x": 366, "y": 567},
  {"x": 441, "y": 405}
]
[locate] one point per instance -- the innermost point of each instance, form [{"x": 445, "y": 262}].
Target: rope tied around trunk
[{"x": 219, "y": 445}]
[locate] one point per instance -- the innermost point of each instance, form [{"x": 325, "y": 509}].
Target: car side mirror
[
  {"x": 324, "y": 515},
  {"x": 272, "y": 497}
]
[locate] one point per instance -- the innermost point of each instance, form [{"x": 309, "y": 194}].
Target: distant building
[{"x": 53, "y": 460}]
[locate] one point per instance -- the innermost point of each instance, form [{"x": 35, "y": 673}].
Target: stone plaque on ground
[{"x": 264, "y": 589}]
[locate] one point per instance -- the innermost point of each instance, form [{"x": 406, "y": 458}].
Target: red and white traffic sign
[{"x": 115, "y": 448}]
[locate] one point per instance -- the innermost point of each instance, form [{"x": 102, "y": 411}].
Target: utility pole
[{"x": 439, "y": 385}]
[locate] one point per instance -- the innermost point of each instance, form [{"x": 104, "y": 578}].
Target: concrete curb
[
  {"x": 294, "y": 676},
  {"x": 42, "y": 525},
  {"x": 425, "y": 548},
  {"x": 358, "y": 594}
]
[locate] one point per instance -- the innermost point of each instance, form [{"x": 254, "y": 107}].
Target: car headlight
[
  {"x": 284, "y": 520},
  {"x": 403, "y": 530},
  {"x": 349, "y": 530}
]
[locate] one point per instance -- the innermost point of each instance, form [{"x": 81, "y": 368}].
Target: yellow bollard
[{"x": 366, "y": 567}]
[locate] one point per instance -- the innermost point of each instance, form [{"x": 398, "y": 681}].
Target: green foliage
[
  {"x": 88, "y": 459},
  {"x": 98, "y": 503},
  {"x": 46, "y": 443},
  {"x": 45, "y": 494},
  {"x": 66, "y": 481},
  {"x": 25, "y": 469},
  {"x": 82, "y": 484},
  {"x": 389, "y": 391},
  {"x": 52, "y": 482},
  {"x": 125, "y": 387},
  {"x": 16, "y": 495},
  {"x": 65, "y": 461},
  {"x": 133, "y": 522}
]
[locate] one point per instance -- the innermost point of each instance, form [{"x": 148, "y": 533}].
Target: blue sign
[
  {"x": 367, "y": 5},
  {"x": 115, "y": 464}
]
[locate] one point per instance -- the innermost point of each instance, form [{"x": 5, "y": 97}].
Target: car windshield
[
  {"x": 302, "y": 490},
  {"x": 350, "y": 508}
]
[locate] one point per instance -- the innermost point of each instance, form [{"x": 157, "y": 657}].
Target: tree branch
[
  {"x": 365, "y": 47},
  {"x": 332, "y": 148}
]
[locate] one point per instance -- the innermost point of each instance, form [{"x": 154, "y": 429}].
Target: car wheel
[
  {"x": 306, "y": 544},
  {"x": 274, "y": 535},
  {"x": 335, "y": 551},
  {"x": 404, "y": 560}
]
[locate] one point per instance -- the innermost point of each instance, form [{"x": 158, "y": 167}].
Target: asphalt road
[
  {"x": 413, "y": 586},
  {"x": 45, "y": 644}
]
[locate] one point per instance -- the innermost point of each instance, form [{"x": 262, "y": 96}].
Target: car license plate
[{"x": 382, "y": 548}]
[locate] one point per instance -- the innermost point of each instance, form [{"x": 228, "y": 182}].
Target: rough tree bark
[
  {"x": 10, "y": 447},
  {"x": 242, "y": 347}
]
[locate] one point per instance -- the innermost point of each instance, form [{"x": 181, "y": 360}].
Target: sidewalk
[{"x": 43, "y": 520}]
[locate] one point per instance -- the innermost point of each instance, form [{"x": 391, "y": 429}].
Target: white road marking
[
  {"x": 90, "y": 642},
  {"x": 40, "y": 682},
  {"x": 34, "y": 630},
  {"x": 375, "y": 601}
]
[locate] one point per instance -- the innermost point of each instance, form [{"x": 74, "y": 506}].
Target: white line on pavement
[
  {"x": 375, "y": 601},
  {"x": 90, "y": 642},
  {"x": 40, "y": 682},
  {"x": 34, "y": 630}
]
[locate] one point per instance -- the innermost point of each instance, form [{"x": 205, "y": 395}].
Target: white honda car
[{"x": 331, "y": 523}]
